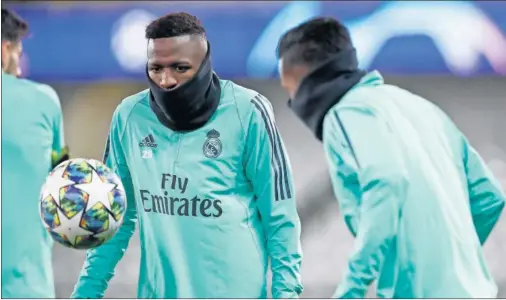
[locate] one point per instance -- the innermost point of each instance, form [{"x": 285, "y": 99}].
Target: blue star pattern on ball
[{"x": 82, "y": 203}]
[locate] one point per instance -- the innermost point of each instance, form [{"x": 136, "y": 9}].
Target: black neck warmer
[
  {"x": 191, "y": 105},
  {"x": 324, "y": 87}
]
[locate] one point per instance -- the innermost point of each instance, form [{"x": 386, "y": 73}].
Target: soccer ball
[{"x": 82, "y": 203}]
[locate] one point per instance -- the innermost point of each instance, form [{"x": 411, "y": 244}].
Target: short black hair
[
  {"x": 173, "y": 25},
  {"x": 313, "y": 42},
  {"x": 13, "y": 27}
]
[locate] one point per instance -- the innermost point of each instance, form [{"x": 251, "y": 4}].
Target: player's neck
[{"x": 324, "y": 87}]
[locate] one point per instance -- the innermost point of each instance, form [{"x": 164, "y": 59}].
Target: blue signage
[{"x": 97, "y": 42}]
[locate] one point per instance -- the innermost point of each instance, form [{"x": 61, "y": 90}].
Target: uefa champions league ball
[{"x": 82, "y": 203}]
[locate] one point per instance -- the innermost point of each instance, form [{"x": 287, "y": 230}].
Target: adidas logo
[{"x": 148, "y": 141}]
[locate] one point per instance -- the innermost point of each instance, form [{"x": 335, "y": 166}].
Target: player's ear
[{"x": 6, "y": 48}]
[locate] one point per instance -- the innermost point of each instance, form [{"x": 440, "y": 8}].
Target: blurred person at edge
[
  {"x": 206, "y": 175},
  {"x": 416, "y": 195},
  {"x": 32, "y": 144}
]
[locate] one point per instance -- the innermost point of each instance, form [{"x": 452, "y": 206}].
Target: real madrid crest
[{"x": 212, "y": 146}]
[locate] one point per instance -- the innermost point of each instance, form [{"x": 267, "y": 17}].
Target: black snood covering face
[
  {"x": 192, "y": 104},
  {"x": 321, "y": 89}
]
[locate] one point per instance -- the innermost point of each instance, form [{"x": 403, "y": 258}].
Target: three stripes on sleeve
[{"x": 278, "y": 160}]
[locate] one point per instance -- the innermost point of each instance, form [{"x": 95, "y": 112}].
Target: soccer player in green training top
[
  {"x": 418, "y": 198},
  {"x": 32, "y": 144},
  {"x": 207, "y": 178}
]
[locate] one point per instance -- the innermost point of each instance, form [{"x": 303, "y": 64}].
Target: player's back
[
  {"x": 30, "y": 114},
  {"x": 438, "y": 253}
]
